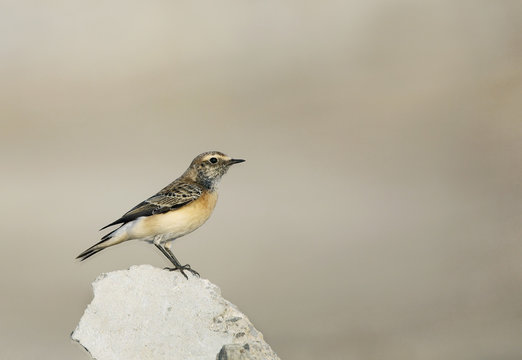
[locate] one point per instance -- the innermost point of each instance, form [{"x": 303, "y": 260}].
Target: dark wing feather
[{"x": 172, "y": 197}]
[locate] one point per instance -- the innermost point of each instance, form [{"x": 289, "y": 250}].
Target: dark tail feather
[
  {"x": 106, "y": 237},
  {"x": 88, "y": 253},
  {"x": 99, "y": 246}
]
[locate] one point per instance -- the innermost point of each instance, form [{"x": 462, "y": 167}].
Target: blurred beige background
[{"x": 377, "y": 215}]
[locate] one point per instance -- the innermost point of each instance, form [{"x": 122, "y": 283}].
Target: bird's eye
[{"x": 213, "y": 160}]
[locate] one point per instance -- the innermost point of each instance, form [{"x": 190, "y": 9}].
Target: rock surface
[{"x": 148, "y": 313}]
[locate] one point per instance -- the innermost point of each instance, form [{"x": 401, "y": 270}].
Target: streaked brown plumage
[{"x": 176, "y": 210}]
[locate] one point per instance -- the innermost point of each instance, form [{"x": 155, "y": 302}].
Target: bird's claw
[{"x": 181, "y": 270}]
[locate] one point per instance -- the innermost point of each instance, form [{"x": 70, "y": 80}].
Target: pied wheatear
[{"x": 176, "y": 210}]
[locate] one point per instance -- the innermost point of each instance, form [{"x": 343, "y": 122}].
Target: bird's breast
[{"x": 177, "y": 222}]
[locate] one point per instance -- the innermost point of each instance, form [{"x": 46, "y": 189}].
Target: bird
[{"x": 176, "y": 210}]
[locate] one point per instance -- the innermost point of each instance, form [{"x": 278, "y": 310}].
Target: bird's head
[{"x": 208, "y": 168}]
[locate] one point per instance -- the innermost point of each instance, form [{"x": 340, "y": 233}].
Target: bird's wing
[{"x": 170, "y": 198}]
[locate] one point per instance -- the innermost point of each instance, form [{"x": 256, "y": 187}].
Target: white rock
[{"x": 148, "y": 313}]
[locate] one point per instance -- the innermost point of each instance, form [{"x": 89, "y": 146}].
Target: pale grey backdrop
[{"x": 377, "y": 215}]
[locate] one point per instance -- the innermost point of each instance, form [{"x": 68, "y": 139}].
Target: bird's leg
[
  {"x": 177, "y": 264},
  {"x": 173, "y": 260}
]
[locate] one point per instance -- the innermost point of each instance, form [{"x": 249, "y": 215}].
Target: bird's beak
[{"x": 235, "y": 161}]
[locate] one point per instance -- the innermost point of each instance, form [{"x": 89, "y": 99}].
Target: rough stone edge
[{"x": 227, "y": 350}]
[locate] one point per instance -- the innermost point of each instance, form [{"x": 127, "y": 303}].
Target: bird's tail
[{"x": 112, "y": 238}]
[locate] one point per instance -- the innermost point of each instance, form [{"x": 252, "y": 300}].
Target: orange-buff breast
[{"x": 177, "y": 222}]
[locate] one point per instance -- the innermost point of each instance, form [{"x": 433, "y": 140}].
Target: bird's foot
[{"x": 181, "y": 270}]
